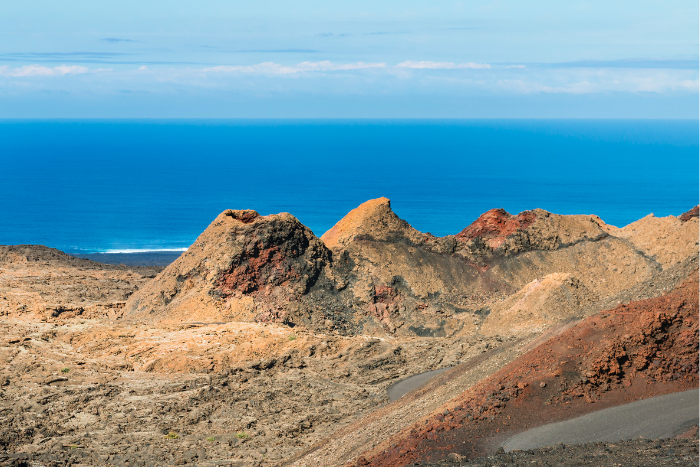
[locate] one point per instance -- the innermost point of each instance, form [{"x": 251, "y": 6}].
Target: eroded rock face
[
  {"x": 243, "y": 267},
  {"x": 275, "y": 252}
]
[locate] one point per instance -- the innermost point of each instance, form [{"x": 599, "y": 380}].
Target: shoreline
[{"x": 143, "y": 258}]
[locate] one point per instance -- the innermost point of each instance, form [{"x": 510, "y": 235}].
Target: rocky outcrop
[
  {"x": 693, "y": 213},
  {"x": 243, "y": 267},
  {"x": 372, "y": 220},
  {"x": 497, "y": 234},
  {"x": 494, "y": 226}
]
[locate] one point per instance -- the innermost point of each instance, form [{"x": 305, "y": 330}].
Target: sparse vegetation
[
  {"x": 211, "y": 439},
  {"x": 292, "y": 337},
  {"x": 172, "y": 435},
  {"x": 242, "y": 435},
  {"x": 65, "y": 370}
]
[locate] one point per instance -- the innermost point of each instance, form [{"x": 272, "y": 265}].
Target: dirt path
[
  {"x": 657, "y": 417},
  {"x": 407, "y": 385}
]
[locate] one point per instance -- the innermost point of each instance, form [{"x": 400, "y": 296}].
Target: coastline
[{"x": 142, "y": 258}]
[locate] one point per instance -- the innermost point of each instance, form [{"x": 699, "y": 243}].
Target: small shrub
[
  {"x": 172, "y": 435},
  {"x": 65, "y": 370},
  {"x": 292, "y": 337},
  {"x": 242, "y": 435},
  {"x": 211, "y": 439}
]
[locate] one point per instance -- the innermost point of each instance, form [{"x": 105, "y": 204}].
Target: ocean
[{"x": 131, "y": 185}]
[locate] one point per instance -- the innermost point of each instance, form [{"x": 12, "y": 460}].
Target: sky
[{"x": 359, "y": 59}]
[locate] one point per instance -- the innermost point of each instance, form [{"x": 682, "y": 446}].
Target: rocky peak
[
  {"x": 372, "y": 220},
  {"x": 240, "y": 253},
  {"x": 246, "y": 215}
]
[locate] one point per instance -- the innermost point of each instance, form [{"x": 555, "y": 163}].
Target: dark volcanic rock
[
  {"x": 243, "y": 267},
  {"x": 686, "y": 216},
  {"x": 279, "y": 252}
]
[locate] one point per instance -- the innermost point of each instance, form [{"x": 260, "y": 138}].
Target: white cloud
[
  {"x": 39, "y": 70},
  {"x": 272, "y": 68},
  {"x": 587, "y": 81},
  {"x": 441, "y": 65}
]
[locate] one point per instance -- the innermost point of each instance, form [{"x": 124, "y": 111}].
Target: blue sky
[{"x": 591, "y": 59}]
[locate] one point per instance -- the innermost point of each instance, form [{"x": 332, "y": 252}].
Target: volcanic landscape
[{"x": 265, "y": 345}]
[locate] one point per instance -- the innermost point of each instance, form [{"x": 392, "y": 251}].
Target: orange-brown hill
[
  {"x": 631, "y": 352},
  {"x": 243, "y": 267},
  {"x": 373, "y": 273}
]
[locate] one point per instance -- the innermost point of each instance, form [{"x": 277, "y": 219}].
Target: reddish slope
[
  {"x": 497, "y": 224},
  {"x": 632, "y": 352}
]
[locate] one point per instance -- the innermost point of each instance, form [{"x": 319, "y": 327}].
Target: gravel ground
[{"x": 633, "y": 453}]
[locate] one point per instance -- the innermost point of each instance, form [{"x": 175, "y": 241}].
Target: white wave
[{"x": 146, "y": 250}]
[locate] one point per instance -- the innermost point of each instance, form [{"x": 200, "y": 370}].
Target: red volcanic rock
[
  {"x": 495, "y": 225},
  {"x": 686, "y": 216},
  {"x": 246, "y": 215},
  {"x": 243, "y": 267},
  {"x": 635, "y": 351},
  {"x": 384, "y": 294},
  {"x": 387, "y": 304}
]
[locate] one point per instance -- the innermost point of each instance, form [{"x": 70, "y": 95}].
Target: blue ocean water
[{"x": 114, "y": 185}]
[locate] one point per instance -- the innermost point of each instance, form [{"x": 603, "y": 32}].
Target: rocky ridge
[{"x": 374, "y": 273}]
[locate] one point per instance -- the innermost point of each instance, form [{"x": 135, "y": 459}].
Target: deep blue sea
[{"x": 114, "y": 185}]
